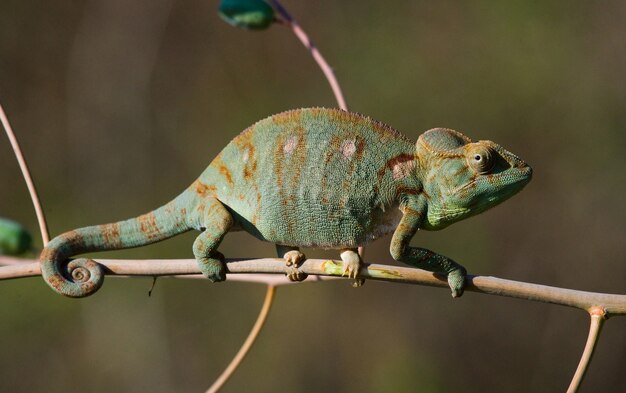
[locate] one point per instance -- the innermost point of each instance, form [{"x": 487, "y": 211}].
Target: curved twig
[
  {"x": 41, "y": 218},
  {"x": 245, "y": 348},
  {"x": 598, "y": 316},
  {"x": 612, "y": 304},
  {"x": 319, "y": 59}
]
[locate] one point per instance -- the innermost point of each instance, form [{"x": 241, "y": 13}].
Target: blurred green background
[{"x": 119, "y": 105}]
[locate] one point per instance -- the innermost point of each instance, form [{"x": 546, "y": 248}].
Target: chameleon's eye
[{"x": 480, "y": 159}]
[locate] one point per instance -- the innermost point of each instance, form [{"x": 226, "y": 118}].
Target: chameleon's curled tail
[{"x": 83, "y": 277}]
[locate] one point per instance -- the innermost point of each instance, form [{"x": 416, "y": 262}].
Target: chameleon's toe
[
  {"x": 213, "y": 267},
  {"x": 456, "y": 281},
  {"x": 296, "y": 275},
  {"x": 351, "y": 266},
  {"x": 294, "y": 257},
  {"x": 358, "y": 282},
  {"x": 351, "y": 270}
]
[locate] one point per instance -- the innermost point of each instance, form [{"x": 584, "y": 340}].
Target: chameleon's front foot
[
  {"x": 293, "y": 259},
  {"x": 425, "y": 259},
  {"x": 351, "y": 266},
  {"x": 213, "y": 266},
  {"x": 456, "y": 281}
]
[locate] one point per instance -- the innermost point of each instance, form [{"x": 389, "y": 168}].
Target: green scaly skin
[{"x": 313, "y": 177}]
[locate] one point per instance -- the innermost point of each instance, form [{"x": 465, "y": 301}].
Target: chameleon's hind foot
[
  {"x": 213, "y": 267},
  {"x": 294, "y": 274},
  {"x": 351, "y": 266},
  {"x": 294, "y": 259}
]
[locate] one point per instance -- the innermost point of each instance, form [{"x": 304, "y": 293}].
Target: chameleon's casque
[{"x": 313, "y": 178}]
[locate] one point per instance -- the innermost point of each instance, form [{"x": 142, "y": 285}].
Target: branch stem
[
  {"x": 598, "y": 316},
  {"x": 41, "y": 218},
  {"x": 245, "y": 348},
  {"x": 317, "y": 56},
  {"x": 610, "y": 303}
]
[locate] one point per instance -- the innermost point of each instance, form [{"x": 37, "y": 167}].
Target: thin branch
[
  {"x": 598, "y": 316},
  {"x": 41, "y": 218},
  {"x": 612, "y": 304},
  {"x": 276, "y": 280},
  {"x": 245, "y": 348},
  {"x": 319, "y": 59}
]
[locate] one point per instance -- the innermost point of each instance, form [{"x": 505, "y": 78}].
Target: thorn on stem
[{"x": 154, "y": 279}]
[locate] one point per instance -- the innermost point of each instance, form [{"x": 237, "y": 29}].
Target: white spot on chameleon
[
  {"x": 290, "y": 146},
  {"x": 347, "y": 148},
  {"x": 246, "y": 155},
  {"x": 403, "y": 169}
]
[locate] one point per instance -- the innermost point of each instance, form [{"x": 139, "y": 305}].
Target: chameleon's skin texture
[{"x": 314, "y": 178}]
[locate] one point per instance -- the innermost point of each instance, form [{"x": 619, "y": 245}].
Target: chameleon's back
[{"x": 312, "y": 177}]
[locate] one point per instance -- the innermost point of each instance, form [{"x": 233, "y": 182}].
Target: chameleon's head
[{"x": 462, "y": 178}]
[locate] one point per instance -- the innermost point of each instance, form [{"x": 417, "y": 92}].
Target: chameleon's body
[{"x": 313, "y": 178}]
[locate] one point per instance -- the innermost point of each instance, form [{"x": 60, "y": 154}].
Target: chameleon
[{"x": 313, "y": 177}]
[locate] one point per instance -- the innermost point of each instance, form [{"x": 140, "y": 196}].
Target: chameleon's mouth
[
  {"x": 487, "y": 191},
  {"x": 506, "y": 184},
  {"x": 511, "y": 180}
]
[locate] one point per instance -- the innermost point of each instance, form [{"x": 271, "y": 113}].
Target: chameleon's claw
[
  {"x": 358, "y": 282},
  {"x": 296, "y": 275},
  {"x": 294, "y": 258},
  {"x": 350, "y": 270},
  {"x": 213, "y": 267},
  {"x": 351, "y": 266},
  {"x": 456, "y": 281}
]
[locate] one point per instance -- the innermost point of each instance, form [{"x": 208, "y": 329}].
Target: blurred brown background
[{"x": 121, "y": 104}]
